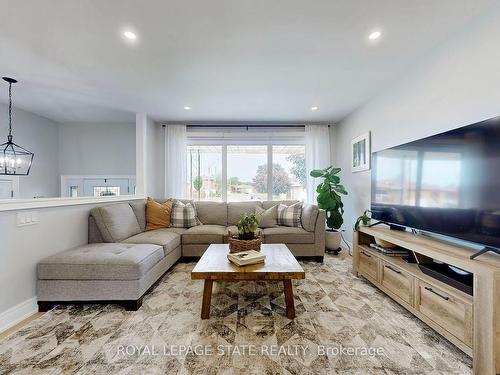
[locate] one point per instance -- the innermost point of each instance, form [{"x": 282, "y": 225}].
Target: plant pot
[
  {"x": 247, "y": 236},
  {"x": 237, "y": 245},
  {"x": 333, "y": 238}
]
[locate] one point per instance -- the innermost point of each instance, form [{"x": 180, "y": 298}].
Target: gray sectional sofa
[{"x": 123, "y": 261}]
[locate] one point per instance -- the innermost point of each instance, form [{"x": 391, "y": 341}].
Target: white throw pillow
[{"x": 267, "y": 218}]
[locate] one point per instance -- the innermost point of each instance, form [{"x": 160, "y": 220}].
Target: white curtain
[
  {"x": 317, "y": 156},
  {"x": 175, "y": 161}
]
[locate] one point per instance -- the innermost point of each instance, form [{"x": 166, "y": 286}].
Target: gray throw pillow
[{"x": 267, "y": 218}]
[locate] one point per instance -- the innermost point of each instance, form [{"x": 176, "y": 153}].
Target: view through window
[
  {"x": 246, "y": 173},
  {"x": 246, "y": 176},
  {"x": 289, "y": 172},
  {"x": 204, "y": 174},
  {"x": 106, "y": 191}
]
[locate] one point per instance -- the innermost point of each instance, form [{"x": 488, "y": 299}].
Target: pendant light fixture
[{"x": 14, "y": 159}]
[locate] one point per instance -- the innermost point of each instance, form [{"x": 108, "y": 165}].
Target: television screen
[{"x": 447, "y": 184}]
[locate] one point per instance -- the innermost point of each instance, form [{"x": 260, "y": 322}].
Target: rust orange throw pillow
[{"x": 158, "y": 214}]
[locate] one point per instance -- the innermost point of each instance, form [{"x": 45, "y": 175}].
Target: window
[
  {"x": 73, "y": 191},
  {"x": 204, "y": 174},
  {"x": 243, "y": 168},
  {"x": 289, "y": 172},
  {"x": 106, "y": 191},
  {"x": 246, "y": 172}
]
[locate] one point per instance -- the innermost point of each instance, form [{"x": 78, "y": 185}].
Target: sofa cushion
[
  {"x": 184, "y": 215},
  {"x": 176, "y": 230},
  {"x": 163, "y": 237},
  {"x": 309, "y": 216},
  {"x": 269, "y": 204},
  {"x": 205, "y": 234},
  {"x": 267, "y": 218},
  {"x": 103, "y": 261},
  {"x": 236, "y": 209},
  {"x": 139, "y": 208},
  {"x": 158, "y": 214},
  {"x": 290, "y": 216},
  {"x": 116, "y": 222},
  {"x": 212, "y": 212},
  {"x": 287, "y": 235}
]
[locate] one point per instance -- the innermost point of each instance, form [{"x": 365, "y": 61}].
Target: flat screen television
[{"x": 448, "y": 184}]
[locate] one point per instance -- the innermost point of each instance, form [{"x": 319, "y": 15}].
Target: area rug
[{"x": 344, "y": 325}]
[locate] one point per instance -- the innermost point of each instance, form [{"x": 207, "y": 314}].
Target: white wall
[
  {"x": 458, "y": 85},
  {"x": 40, "y": 136},
  {"x": 150, "y": 145},
  {"x": 83, "y": 148},
  {"x": 97, "y": 148},
  {"x": 59, "y": 228},
  {"x": 155, "y": 163}
]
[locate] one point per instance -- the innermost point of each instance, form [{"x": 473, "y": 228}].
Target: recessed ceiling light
[
  {"x": 314, "y": 108},
  {"x": 375, "y": 35},
  {"x": 130, "y": 35},
  {"x": 187, "y": 108}
]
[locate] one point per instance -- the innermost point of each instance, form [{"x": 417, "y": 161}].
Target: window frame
[{"x": 297, "y": 141}]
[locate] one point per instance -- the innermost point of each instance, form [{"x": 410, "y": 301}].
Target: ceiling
[{"x": 229, "y": 60}]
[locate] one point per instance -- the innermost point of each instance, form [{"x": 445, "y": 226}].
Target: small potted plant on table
[
  {"x": 330, "y": 193},
  {"x": 247, "y": 238}
]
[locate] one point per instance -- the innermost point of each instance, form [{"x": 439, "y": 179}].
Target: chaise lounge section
[{"x": 123, "y": 261}]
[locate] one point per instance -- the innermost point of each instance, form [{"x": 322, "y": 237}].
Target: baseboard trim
[{"x": 18, "y": 313}]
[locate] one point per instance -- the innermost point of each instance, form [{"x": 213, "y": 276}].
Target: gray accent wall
[
  {"x": 457, "y": 85},
  {"x": 38, "y": 135},
  {"x": 97, "y": 148},
  {"x": 71, "y": 149}
]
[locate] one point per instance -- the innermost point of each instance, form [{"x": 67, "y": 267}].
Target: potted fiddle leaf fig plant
[{"x": 330, "y": 193}]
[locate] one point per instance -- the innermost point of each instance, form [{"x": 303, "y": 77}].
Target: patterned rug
[{"x": 343, "y": 325}]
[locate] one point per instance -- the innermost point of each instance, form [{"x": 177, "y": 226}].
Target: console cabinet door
[
  {"x": 398, "y": 282},
  {"x": 450, "y": 312},
  {"x": 368, "y": 265}
]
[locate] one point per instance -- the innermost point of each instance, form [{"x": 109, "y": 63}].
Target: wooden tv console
[{"x": 472, "y": 323}]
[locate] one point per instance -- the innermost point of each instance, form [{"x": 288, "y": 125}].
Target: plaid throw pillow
[
  {"x": 183, "y": 215},
  {"x": 289, "y": 216}
]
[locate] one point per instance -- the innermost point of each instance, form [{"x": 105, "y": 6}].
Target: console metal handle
[
  {"x": 446, "y": 298},
  {"x": 365, "y": 254},
  {"x": 393, "y": 269}
]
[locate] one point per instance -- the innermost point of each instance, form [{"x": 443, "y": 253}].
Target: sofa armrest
[{"x": 319, "y": 232}]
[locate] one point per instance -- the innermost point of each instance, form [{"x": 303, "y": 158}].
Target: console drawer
[
  {"x": 368, "y": 265},
  {"x": 445, "y": 309},
  {"x": 398, "y": 282}
]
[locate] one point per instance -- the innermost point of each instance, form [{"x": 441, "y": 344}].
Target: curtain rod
[{"x": 244, "y": 125}]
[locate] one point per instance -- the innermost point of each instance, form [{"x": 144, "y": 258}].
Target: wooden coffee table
[{"x": 280, "y": 264}]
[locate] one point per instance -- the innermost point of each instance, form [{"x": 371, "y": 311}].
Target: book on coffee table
[{"x": 244, "y": 258}]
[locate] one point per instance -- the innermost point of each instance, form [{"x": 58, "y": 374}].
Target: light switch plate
[{"x": 25, "y": 218}]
